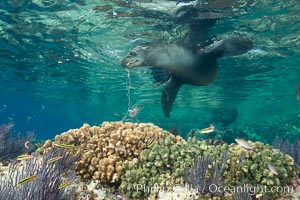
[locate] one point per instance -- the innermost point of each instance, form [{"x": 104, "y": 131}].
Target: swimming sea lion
[{"x": 178, "y": 65}]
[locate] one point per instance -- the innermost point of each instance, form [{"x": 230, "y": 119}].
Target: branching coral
[
  {"x": 163, "y": 164},
  {"x": 159, "y": 166},
  {"x": 47, "y": 177},
  {"x": 106, "y": 148}
]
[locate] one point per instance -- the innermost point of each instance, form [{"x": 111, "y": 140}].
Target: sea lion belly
[
  {"x": 184, "y": 64},
  {"x": 203, "y": 72}
]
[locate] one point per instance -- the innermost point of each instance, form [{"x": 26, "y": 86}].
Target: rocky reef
[{"x": 142, "y": 161}]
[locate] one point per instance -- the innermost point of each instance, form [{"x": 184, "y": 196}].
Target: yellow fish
[
  {"x": 151, "y": 143},
  {"x": 210, "y": 129},
  {"x": 54, "y": 159},
  {"x": 66, "y": 146},
  {"x": 25, "y": 180},
  {"x": 65, "y": 184},
  {"x": 24, "y": 157}
]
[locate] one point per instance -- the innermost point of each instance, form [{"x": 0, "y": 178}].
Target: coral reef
[
  {"x": 44, "y": 178},
  {"x": 144, "y": 161},
  {"x": 92, "y": 190},
  {"x": 104, "y": 149},
  {"x": 178, "y": 193},
  {"x": 254, "y": 169},
  {"x": 163, "y": 165},
  {"x": 12, "y": 145},
  {"x": 160, "y": 166}
]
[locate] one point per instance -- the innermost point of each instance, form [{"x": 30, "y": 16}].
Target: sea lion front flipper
[
  {"x": 168, "y": 95},
  {"x": 232, "y": 46},
  {"x": 160, "y": 75}
]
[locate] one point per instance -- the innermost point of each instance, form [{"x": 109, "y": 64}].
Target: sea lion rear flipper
[
  {"x": 160, "y": 75},
  {"x": 168, "y": 96},
  {"x": 232, "y": 46}
]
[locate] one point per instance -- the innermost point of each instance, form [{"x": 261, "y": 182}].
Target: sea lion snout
[
  {"x": 124, "y": 62},
  {"x": 134, "y": 58},
  {"x": 128, "y": 63}
]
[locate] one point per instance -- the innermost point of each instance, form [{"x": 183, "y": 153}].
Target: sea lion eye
[{"x": 132, "y": 53}]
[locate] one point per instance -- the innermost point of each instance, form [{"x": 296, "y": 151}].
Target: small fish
[
  {"x": 4, "y": 107},
  {"x": 210, "y": 129},
  {"x": 244, "y": 144},
  {"x": 24, "y": 157},
  {"x": 26, "y": 144},
  {"x": 65, "y": 184},
  {"x": 150, "y": 143},
  {"x": 121, "y": 148},
  {"x": 66, "y": 146},
  {"x": 54, "y": 159},
  {"x": 255, "y": 52},
  {"x": 28, "y": 179},
  {"x": 272, "y": 169},
  {"x": 298, "y": 93}
]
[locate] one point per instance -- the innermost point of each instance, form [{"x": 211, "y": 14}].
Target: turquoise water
[{"x": 60, "y": 66}]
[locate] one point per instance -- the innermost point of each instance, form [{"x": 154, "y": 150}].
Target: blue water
[{"x": 60, "y": 65}]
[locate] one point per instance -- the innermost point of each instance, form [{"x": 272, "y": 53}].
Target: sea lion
[{"x": 177, "y": 64}]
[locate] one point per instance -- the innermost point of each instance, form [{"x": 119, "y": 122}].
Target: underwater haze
[{"x": 60, "y": 65}]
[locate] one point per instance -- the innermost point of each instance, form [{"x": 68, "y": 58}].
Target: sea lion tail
[{"x": 231, "y": 46}]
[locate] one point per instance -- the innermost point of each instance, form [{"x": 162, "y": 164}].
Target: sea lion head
[{"x": 136, "y": 57}]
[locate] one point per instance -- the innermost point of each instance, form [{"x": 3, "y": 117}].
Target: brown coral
[{"x": 105, "y": 148}]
